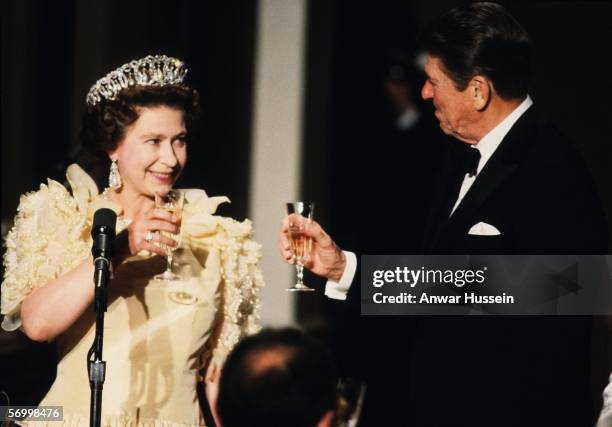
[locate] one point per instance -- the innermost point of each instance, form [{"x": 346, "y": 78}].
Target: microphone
[{"x": 103, "y": 234}]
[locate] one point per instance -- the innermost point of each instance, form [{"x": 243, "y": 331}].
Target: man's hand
[{"x": 326, "y": 259}]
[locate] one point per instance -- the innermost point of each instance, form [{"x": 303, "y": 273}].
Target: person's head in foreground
[
  {"x": 278, "y": 378},
  {"x": 477, "y": 65}
]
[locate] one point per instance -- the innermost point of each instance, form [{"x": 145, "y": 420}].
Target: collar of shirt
[{"x": 489, "y": 143}]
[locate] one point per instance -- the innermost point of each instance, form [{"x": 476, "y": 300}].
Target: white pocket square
[{"x": 483, "y": 229}]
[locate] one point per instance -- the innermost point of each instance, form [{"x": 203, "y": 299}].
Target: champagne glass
[
  {"x": 300, "y": 214},
  {"x": 171, "y": 202}
]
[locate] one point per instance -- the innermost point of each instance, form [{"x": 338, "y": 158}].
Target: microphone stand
[{"x": 96, "y": 367}]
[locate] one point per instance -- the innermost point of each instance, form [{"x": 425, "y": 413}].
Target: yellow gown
[{"x": 157, "y": 335}]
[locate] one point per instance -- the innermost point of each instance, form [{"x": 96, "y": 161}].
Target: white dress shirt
[
  {"x": 338, "y": 290},
  {"x": 489, "y": 143},
  {"x": 487, "y": 146}
]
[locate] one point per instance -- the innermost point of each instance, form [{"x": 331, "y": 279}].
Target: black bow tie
[
  {"x": 471, "y": 160},
  {"x": 465, "y": 158}
]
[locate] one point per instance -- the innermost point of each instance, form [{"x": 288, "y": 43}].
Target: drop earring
[{"x": 114, "y": 178}]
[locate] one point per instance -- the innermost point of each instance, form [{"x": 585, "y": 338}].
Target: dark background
[{"x": 53, "y": 51}]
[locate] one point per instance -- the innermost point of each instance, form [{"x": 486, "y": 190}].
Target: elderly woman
[{"x": 136, "y": 127}]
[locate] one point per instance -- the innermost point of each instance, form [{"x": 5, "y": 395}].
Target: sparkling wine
[
  {"x": 177, "y": 212},
  {"x": 300, "y": 244},
  {"x": 171, "y": 202},
  {"x": 299, "y": 216}
]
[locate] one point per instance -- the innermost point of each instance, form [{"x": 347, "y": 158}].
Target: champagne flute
[
  {"x": 171, "y": 202},
  {"x": 300, "y": 214}
]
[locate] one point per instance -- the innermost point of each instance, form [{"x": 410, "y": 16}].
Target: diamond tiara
[{"x": 157, "y": 70}]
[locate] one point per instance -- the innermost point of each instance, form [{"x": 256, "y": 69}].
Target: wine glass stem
[
  {"x": 169, "y": 261},
  {"x": 299, "y": 267}
]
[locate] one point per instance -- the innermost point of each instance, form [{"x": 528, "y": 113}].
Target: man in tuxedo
[{"x": 510, "y": 184}]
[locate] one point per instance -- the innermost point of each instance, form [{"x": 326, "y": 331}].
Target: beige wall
[{"x": 276, "y": 142}]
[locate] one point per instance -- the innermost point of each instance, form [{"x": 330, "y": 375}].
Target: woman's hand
[{"x": 143, "y": 233}]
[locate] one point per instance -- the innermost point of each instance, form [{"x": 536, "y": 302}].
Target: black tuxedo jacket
[
  {"x": 511, "y": 370},
  {"x": 535, "y": 189},
  {"x": 497, "y": 370}
]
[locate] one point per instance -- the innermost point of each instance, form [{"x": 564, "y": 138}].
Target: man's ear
[{"x": 480, "y": 92}]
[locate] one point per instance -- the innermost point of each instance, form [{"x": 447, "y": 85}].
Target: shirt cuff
[{"x": 338, "y": 290}]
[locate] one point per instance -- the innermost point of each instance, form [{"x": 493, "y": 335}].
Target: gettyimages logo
[
  {"x": 486, "y": 284},
  {"x": 414, "y": 277}
]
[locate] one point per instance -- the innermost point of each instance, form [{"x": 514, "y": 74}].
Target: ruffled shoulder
[
  {"x": 50, "y": 236},
  {"x": 605, "y": 418},
  {"x": 235, "y": 258}
]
